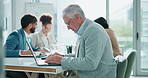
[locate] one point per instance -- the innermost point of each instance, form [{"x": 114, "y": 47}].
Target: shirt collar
[
  {"x": 82, "y": 28},
  {"x": 27, "y": 35}
]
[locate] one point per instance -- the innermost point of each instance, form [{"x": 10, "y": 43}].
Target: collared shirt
[
  {"x": 82, "y": 28},
  {"x": 27, "y": 38},
  {"x": 46, "y": 39},
  {"x": 26, "y": 34},
  {"x": 80, "y": 32}
]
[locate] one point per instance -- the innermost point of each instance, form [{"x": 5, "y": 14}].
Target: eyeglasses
[{"x": 68, "y": 23}]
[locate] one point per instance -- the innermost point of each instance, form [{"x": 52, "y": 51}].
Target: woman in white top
[{"x": 44, "y": 38}]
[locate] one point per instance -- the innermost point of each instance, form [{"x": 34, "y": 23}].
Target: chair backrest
[
  {"x": 131, "y": 58},
  {"x": 121, "y": 68}
]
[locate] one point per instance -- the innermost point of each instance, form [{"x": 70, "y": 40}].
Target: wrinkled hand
[
  {"x": 46, "y": 49},
  {"x": 26, "y": 52},
  {"x": 54, "y": 58}
]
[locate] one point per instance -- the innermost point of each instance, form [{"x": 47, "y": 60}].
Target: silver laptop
[{"x": 39, "y": 61}]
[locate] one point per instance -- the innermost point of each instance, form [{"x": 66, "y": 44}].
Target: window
[
  {"x": 121, "y": 21},
  {"x": 92, "y": 9},
  {"x": 144, "y": 35}
]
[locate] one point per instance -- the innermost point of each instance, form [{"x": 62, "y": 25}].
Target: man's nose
[{"x": 68, "y": 27}]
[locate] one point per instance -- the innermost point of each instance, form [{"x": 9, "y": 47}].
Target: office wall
[
  {"x": 7, "y": 16},
  {"x": 63, "y": 34},
  {"x": 7, "y": 19},
  {"x": 37, "y": 9},
  {"x": 18, "y": 10},
  {"x": 13, "y": 11}
]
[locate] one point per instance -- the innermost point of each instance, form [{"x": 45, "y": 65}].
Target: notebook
[{"x": 39, "y": 61}]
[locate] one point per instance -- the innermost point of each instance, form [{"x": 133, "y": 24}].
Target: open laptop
[{"x": 39, "y": 61}]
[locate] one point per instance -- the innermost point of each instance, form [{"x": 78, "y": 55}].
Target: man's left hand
[{"x": 54, "y": 58}]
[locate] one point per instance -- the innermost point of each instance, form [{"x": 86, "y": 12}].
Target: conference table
[{"x": 27, "y": 64}]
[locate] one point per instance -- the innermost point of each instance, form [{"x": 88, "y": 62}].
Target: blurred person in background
[
  {"x": 110, "y": 32},
  {"x": 44, "y": 39}
]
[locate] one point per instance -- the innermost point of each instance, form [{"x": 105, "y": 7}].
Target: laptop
[{"x": 39, "y": 61}]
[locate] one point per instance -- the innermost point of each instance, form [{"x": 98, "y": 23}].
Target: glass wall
[
  {"x": 92, "y": 9},
  {"x": 144, "y": 35},
  {"x": 121, "y": 21}
]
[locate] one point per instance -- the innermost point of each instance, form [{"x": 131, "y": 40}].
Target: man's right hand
[{"x": 26, "y": 52}]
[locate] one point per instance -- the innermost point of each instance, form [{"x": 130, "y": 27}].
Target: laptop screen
[
  {"x": 35, "y": 58},
  {"x": 40, "y": 62}
]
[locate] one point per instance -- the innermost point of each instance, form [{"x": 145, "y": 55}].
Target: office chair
[
  {"x": 131, "y": 58},
  {"x": 121, "y": 66}
]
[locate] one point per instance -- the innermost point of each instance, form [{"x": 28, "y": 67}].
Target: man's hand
[
  {"x": 44, "y": 49},
  {"x": 54, "y": 58},
  {"x": 26, "y": 52}
]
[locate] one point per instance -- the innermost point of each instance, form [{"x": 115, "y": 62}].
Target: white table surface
[{"x": 29, "y": 65}]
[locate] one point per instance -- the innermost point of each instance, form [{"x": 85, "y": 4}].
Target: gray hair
[{"x": 72, "y": 10}]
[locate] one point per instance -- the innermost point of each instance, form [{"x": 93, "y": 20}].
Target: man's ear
[
  {"x": 77, "y": 16},
  {"x": 29, "y": 26}
]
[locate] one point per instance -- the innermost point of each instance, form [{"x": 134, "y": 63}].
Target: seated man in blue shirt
[{"x": 16, "y": 42}]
